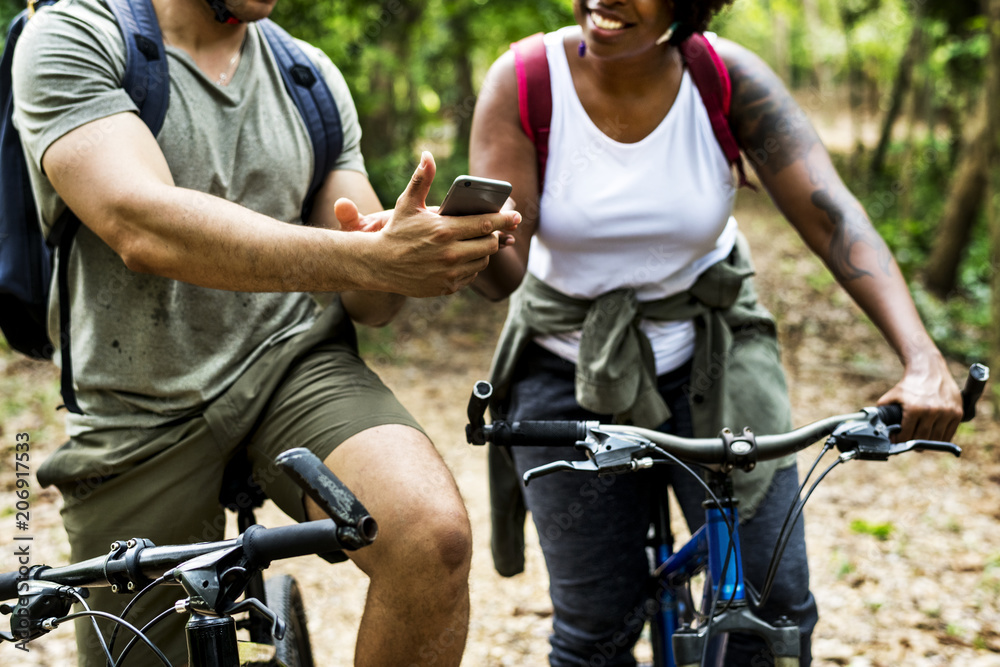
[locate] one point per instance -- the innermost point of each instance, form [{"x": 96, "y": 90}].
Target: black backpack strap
[
  {"x": 307, "y": 88},
  {"x": 147, "y": 81},
  {"x": 62, "y": 240},
  {"x": 25, "y": 260}
]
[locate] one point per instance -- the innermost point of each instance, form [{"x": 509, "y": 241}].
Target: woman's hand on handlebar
[{"x": 932, "y": 404}]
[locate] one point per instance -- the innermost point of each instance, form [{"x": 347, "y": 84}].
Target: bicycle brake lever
[
  {"x": 924, "y": 445},
  {"x": 869, "y": 441},
  {"x": 278, "y": 626},
  {"x": 556, "y": 466}
]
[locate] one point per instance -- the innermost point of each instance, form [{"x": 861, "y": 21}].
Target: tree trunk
[
  {"x": 814, "y": 25},
  {"x": 993, "y": 113},
  {"x": 900, "y": 87},
  {"x": 854, "y": 83},
  {"x": 391, "y": 120},
  {"x": 965, "y": 199},
  {"x": 462, "y": 91},
  {"x": 782, "y": 58},
  {"x": 850, "y": 16}
]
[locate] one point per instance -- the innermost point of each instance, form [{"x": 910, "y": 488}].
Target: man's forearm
[{"x": 201, "y": 239}]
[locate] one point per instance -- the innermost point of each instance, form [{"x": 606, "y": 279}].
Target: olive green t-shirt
[{"x": 147, "y": 350}]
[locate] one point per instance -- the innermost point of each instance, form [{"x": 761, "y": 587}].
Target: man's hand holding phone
[
  {"x": 474, "y": 195},
  {"x": 432, "y": 252}
]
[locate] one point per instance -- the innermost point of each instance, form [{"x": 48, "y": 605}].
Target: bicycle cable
[
  {"x": 93, "y": 621},
  {"x": 791, "y": 507},
  {"x": 126, "y": 610},
  {"x": 785, "y": 538},
  {"x": 708, "y": 622},
  {"x": 730, "y": 549},
  {"x": 676, "y": 461},
  {"x": 146, "y": 628},
  {"x": 101, "y": 614}
]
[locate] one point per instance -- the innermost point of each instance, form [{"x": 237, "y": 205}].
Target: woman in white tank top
[{"x": 637, "y": 198}]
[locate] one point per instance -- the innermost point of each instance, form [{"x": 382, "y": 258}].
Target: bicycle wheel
[{"x": 285, "y": 600}]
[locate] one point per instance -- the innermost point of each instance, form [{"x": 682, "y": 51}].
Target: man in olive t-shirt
[{"x": 195, "y": 295}]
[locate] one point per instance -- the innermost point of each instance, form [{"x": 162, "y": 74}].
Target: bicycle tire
[{"x": 285, "y": 600}]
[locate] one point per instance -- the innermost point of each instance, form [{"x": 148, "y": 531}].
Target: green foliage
[
  {"x": 905, "y": 204},
  {"x": 873, "y": 33},
  {"x": 880, "y": 531},
  {"x": 414, "y": 70},
  {"x": 9, "y": 9}
]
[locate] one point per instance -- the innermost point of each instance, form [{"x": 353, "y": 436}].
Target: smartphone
[{"x": 472, "y": 195}]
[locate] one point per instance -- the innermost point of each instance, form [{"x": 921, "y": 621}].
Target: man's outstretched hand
[{"x": 420, "y": 253}]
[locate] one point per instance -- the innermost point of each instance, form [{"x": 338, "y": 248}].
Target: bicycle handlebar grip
[
  {"x": 8, "y": 585},
  {"x": 358, "y": 528},
  {"x": 263, "y": 545},
  {"x": 975, "y": 383},
  {"x": 891, "y": 415},
  {"x": 479, "y": 400},
  {"x": 973, "y": 389},
  {"x": 538, "y": 433}
]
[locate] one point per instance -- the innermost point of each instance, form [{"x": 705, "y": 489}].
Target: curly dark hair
[{"x": 695, "y": 15}]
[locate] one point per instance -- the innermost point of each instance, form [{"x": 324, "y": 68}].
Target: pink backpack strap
[
  {"x": 534, "y": 95},
  {"x": 711, "y": 78}
]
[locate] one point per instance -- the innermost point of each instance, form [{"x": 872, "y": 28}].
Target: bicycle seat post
[{"x": 241, "y": 494}]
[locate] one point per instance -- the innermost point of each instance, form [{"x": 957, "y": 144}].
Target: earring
[
  {"x": 582, "y": 49},
  {"x": 665, "y": 37}
]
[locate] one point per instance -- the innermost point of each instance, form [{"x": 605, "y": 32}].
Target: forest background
[
  {"x": 925, "y": 72},
  {"x": 905, "y": 559}
]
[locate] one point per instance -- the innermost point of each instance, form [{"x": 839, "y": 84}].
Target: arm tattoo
[
  {"x": 775, "y": 133},
  {"x": 850, "y": 228}
]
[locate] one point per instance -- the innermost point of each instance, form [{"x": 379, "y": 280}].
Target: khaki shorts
[{"x": 296, "y": 396}]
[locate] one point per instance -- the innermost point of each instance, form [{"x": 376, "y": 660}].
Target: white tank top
[{"x": 650, "y": 215}]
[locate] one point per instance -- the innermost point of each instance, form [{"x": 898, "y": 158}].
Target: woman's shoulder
[{"x": 739, "y": 59}]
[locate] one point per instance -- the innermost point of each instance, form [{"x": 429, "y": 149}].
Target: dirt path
[{"x": 916, "y": 582}]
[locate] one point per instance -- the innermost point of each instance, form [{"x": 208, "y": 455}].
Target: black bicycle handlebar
[
  {"x": 708, "y": 451},
  {"x": 136, "y": 561},
  {"x": 357, "y": 527},
  {"x": 260, "y": 545},
  {"x": 975, "y": 383},
  {"x": 263, "y": 545}
]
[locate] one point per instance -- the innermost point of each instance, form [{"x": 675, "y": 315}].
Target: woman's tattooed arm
[
  {"x": 793, "y": 165},
  {"x": 789, "y": 158}
]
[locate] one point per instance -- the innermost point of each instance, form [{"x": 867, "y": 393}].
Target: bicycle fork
[
  {"x": 724, "y": 605},
  {"x": 211, "y": 640}
]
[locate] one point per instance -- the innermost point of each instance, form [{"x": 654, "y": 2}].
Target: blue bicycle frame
[{"x": 714, "y": 548}]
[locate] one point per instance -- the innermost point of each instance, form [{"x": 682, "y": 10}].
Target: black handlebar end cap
[
  {"x": 479, "y": 400},
  {"x": 975, "y": 383},
  {"x": 8, "y": 585}
]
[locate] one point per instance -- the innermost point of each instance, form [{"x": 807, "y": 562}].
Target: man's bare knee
[{"x": 453, "y": 541}]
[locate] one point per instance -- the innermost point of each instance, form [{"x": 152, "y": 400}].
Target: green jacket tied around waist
[{"x": 736, "y": 375}]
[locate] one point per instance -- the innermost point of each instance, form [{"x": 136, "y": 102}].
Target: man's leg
[
  {"x": 333, "y": 405},
  {"x": 417, "y": 610},
  {"x": 170, "y": 498}
]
